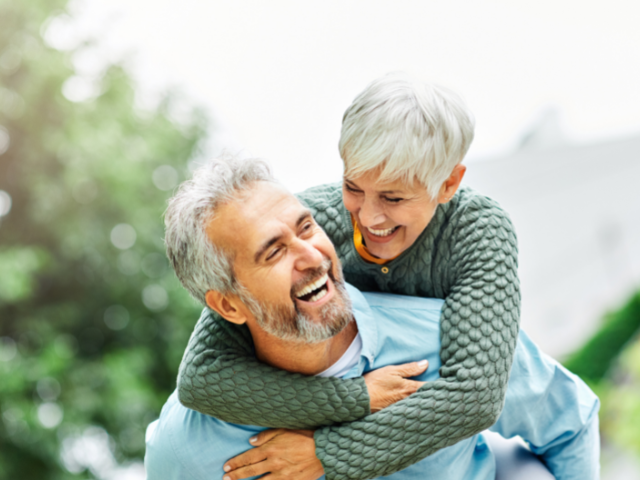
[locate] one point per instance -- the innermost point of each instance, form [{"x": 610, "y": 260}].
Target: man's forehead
[{"x": 253, "y": 215}]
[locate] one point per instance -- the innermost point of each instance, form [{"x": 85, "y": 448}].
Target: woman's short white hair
[
  {"x": 410, "y": 129},
  {"x": 199, "y": 264}
]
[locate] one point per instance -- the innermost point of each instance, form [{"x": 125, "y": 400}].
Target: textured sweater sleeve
[
  {"x": 220, "y": 376},
  {"x": 479, "y": 328}
]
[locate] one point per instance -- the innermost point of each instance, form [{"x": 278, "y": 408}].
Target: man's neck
[{"x": 305, "y": 358}]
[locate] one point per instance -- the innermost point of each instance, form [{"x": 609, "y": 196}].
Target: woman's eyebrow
[{"x": 382, "y": 192}]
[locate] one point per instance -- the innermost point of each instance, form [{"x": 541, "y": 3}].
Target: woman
[{"x": 400, "y": 224}]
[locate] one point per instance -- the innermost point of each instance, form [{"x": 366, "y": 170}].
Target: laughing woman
[{"x": 402, "y": 224}]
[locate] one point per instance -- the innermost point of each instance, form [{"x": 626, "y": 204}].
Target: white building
[{"x": 576, "y": 209}]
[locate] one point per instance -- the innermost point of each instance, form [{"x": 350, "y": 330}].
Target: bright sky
[{"x": 276, "y": 76}]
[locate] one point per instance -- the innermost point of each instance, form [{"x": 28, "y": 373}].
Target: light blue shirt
[{"x": 549, "y": 407}]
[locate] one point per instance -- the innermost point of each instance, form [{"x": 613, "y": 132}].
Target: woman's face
[{"x": 391, "y": 215}]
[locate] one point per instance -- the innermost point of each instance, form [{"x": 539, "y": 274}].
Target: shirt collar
[{"x": 366, "y": 321}]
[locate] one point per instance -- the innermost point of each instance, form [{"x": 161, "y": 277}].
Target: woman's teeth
[
  {"x": 381, "y": 233},
  {"x": 314, "y": 286}
]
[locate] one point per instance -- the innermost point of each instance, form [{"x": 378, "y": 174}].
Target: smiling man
[
  {"x": 246, "y": 248},
  {"x": 290, "y": 291}
]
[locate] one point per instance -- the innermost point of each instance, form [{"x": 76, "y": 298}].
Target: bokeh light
[
  {"x": 4, "y": 140},
  {"x": 155, "y": 297},
  {"x": 165, "y": 177},
  {"x": 123, "y": 236},
  {"x": 5, "y": 203},
  {"x": 48, "y": 389},
  {"x": 50, "y": 414},
  {"x": 129, "y": 262},
  {"x": 154, "y": 265},
  {"x": 116, "y": 317},
  {"x": 8, "y": 349}
]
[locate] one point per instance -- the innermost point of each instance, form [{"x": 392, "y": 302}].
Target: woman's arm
[
  {"x": 219, "y": 376},
  {"x": 479, "y": 329}
]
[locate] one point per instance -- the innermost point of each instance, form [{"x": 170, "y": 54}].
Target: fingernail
[
  {"x": 227, "y": 468},
  {"x": 422, "y": 363},
  {"x": 226, "y": 477},
  {"x": 253, "y": 439}
]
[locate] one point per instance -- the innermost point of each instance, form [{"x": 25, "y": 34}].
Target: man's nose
[
  {"x": 371, "y": 213},
  {"x": 307, "y": 255}
]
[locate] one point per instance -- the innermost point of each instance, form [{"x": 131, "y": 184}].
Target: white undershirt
[{"x": 347, "y": 361}]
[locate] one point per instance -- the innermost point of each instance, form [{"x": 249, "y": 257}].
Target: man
[{"x": 277, "y": 273}]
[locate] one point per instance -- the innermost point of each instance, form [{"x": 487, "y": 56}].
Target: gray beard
[{"x": 288, "y": 323}]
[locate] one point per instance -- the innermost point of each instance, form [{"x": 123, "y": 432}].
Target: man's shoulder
[{"x": 185, "y": 444}]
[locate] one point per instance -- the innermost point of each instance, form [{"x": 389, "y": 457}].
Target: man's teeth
[
  {"x": 381, "y": 233},
  {"x": 314, "y": 286},
  {"x": 318, "y": 295}
]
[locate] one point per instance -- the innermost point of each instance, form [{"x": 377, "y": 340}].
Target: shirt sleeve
[
  {"x": 479, "y": 329},
  {"x": 554, "y": 412},
  {"x": 220, "y": 376}
]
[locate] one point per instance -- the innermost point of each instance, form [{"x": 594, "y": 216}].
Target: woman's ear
[
  {"x": 451, "y": 184},
  {"x": 227, "y": 306}
]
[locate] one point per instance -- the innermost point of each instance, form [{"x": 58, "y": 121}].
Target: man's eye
[{"x": 273, "y": 253}]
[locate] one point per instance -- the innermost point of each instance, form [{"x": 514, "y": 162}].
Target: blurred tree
[
  {"x": 594, "y": 359},
  {"x": 93, "y": 323},
  {"x": 610, "y": 362},
  {"x": 620, "y": 396}
]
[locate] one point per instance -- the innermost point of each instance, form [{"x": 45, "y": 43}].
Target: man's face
[{"x": 288, "y": 267}]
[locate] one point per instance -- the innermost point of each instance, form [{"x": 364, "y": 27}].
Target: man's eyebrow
[{"x": 306, "y": 213}]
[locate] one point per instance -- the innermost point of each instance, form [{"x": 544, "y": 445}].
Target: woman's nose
[{"x": 371, "y": 213}]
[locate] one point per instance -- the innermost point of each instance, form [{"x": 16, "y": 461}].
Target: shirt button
[{"x": 385, "y": 270}]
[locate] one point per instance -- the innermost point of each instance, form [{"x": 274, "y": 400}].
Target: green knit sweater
[{"x": 467, "y": 256}]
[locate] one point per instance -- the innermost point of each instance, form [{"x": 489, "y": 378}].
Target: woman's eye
[
  {"x": 350, "y": 188},
  {"x": 393, "y": 200}
]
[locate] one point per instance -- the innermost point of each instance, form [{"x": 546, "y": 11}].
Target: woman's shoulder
[
  {"x": 476, "y": 223},
  {"x": 469, "y": 207},
  {"x": 322, "y": 197}
]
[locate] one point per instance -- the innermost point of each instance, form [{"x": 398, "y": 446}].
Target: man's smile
[{"x": 314, "y": 291}]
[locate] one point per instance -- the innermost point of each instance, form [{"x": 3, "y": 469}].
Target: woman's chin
[{"x": 385, "y": 251}]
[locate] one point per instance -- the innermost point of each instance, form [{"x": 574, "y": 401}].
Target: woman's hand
[
  {"x": 387, "y": 385},
  {"x": 284, "y": 454}
]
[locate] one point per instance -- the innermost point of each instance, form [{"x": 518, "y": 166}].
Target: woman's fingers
[
  {"x": 250, "y": 457},
  {"x": 264, "y": 436},
  {"x": 248, "y": 471},
  {"x": 283, "y": 453},
  {"x": 388, "y": 385},
  {"x": 412, "y": 369}
]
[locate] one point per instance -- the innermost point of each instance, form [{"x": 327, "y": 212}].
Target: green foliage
[
  {"x": 595, "y": 358},
  {"x": 610, "y": 363},
  {"x": 93, "y": 322},
  {"x": 620, "y": 396}
]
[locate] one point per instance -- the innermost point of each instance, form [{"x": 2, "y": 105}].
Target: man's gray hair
[
  {"x": 410, "y": 129},
  {"x": 200, "y": 265}
]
